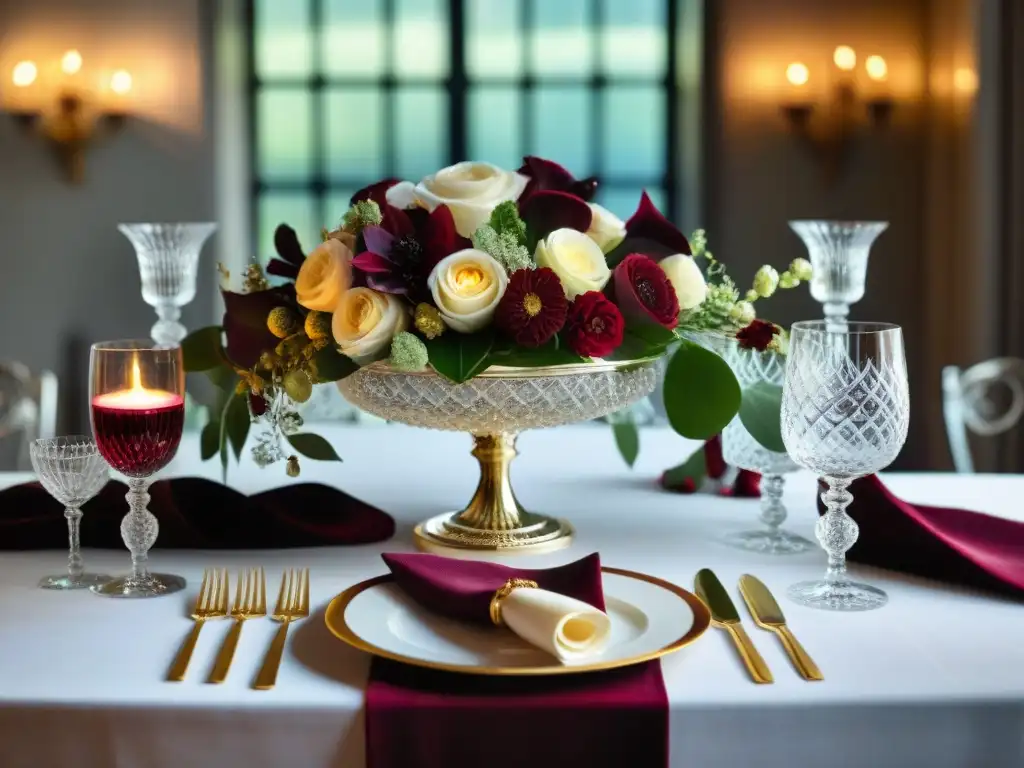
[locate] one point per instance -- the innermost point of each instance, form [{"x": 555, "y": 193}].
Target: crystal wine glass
[
  {"x": 71, "y": 470},
  {"x": 845, "y": 414},
  {"x": 740, "y": 449},
  {"x": 138, "y": 411},
  {"x": 839, "y": 258},
  {"x": 168, "y": 257}
]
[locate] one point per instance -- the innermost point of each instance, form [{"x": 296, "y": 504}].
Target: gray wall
[{"x": 67, "y": 276}]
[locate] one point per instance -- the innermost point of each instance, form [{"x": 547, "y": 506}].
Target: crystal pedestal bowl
[{"x": 494, "y": 407}]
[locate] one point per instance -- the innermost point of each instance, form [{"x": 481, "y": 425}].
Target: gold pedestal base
[{"x": 494, "y": 521}]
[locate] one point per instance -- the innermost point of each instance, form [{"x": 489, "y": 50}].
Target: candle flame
[
  {"x": 137, "y": 396},
  {"x": 136, "y": 375}
]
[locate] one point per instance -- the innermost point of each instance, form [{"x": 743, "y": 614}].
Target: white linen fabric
[
  {"x": 570, "y": 630},
  {"x": 932, "y": 679}
]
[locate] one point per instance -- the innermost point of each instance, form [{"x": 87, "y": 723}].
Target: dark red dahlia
[
  {"x": 594, "y": 325},
  {"x": 643, "y": 292},
  {"x": 533, "y": 307},
  {"x": 758, "y": 335},
  {"x": 289, "y": 251},
  {"x": 549, "y": 175}
]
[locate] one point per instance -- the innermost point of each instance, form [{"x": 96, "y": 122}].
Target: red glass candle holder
[{"x": 137, "y": 396}]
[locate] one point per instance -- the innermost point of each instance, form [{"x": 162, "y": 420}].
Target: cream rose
[
  {"x": 466, "y": 287},
  {"x": 365, "y": 321},
  {"x": 324, "y": 276},
  {"x": 576, "y": 259},
  {"x": 686, "y": 278},
  {"x": 606, "y": 229},
  {"x": 471, "y": 191}
]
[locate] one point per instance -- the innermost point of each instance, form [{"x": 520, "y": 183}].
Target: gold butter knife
[
  {"x": 768, "y": 615},
  {"x": 724, "y": 615}
]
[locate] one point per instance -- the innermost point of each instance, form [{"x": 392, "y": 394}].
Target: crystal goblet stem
[
  {"x": 76, "y": 565},
  {"x": 139, "y": 530}
]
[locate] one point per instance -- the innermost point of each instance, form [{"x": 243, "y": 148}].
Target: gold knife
[
  {"x": 768, "y": 615},
  {"x": 724, "y": 615}
]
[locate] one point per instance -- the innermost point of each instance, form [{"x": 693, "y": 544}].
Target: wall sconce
[
  {"x": 68, "y": 115},
  {"x": 830, "y": 137}
]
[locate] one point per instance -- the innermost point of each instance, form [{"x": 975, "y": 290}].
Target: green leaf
[
  {"x": 761, "y": 414},
  {"x": 552, "y": 352},
  {"x": 331, "y": 365},
  {"x": 694, "y": 468},
  {"x": 460, "y": 356},
  {"x": 313, "y": 446},
  {"x": 643, "y": 341},
  {"x": 209, "y": 440},
  {"x": 701, "y": 393},
  {"x": 236, "y": 423},
  {"x": 505, "y": 218},
  {"x": 627, "y": 438},
  {"x": 202, "y": 349}
]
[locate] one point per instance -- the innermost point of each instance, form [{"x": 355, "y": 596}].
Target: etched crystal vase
[
  {"x": 494, "y": 407},
  {"x": 838, "y": 251},
  {"x": 168, "y": 257}
]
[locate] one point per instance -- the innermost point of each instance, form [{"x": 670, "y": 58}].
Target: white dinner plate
[{"x": 649, "y": 618}]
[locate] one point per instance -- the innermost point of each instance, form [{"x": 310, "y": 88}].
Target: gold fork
[
  {"x": 211, "y": 603},
  {"x": 292, "y": 604},
  {"x": 250, "y": 603}
]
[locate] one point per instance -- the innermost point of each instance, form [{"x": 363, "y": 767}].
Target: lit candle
[
  {"x": 138, "y": 397},
  {"x": 845, "y": 58},
  {"x": 23, "y": 75},
  {"x": 71, "y": 63},
  {"x": 121, "y": 82}
]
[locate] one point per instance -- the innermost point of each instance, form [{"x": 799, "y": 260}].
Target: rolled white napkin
[{"x": 567, "y": 628}]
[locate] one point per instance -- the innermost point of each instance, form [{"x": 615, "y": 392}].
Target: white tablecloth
[{"x": 935, "y": 679}]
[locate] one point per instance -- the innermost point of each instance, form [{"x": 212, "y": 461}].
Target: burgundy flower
[
  {"x": 376, "y": 192},
  {"x": 758, "y": 335},
  {"x": 257, "y": 404},
  {"x": 286, "y": 243},
  {"x": 650, "y": 233},
  {"x": 401, "y": 252},
  {"x": 532, "y": 310},
  {"x": 594, "y": 325},
  {"x": 544, "y": 212},
  {"x": 643, "y": 292},
  {"x": 548, "y": 175},
  {"x": 245, "y": 322}
]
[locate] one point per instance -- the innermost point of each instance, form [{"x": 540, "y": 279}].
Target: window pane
[
  {"x": 562, "y": 38},
  {"x": 354, "y": 38},
  {"x": 633, "y": 37},
  {"x": 282, "y": 44},
  {"x": 634, "y": 133},
  {"x": 297, "y": 210},
  {"x": 562, "y": 126},
  {"x": 336, "y": 206},
  {"x": 494, "y": 122},
  {"x": 285, "y": 138},
  {"x": 421, "y": 38},
  {"x": 421, "y": 131},
  {"x": 354, "y": 133},
  {"x": 494, "y": 44},
  {"x": 622, "y": 201}
]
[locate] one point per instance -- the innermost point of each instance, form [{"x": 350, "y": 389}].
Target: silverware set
[
  {"x": 767, "y": 615},
  {"x": 250, "y": 603}
]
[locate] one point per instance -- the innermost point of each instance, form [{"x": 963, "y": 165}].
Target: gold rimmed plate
[{"x": 650, "y": 618}]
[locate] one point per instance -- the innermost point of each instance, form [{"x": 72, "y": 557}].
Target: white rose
[
  {"x": 471, "y": 191},
  {"x": 606, "y": 229},
  {"x": 402, "y": 195},
  {"x": 365, "y": 321},
  {"x": 686, "y": 278},
  {"x": 576, "y": 259},
  {"x": 324, "y": 276},
  {"x": 466, "y": 287}
]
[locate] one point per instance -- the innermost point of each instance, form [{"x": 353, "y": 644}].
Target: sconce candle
[
  {"x": 71, "y": 64},
  {"x": 845, "y": 58}
]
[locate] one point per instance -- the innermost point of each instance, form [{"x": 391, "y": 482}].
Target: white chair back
[
  {"x": 28, "y": 410},
  {"x": 969, "y": 402}
]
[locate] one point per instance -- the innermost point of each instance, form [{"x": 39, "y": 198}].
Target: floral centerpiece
[{"x": 474, "y": 271}]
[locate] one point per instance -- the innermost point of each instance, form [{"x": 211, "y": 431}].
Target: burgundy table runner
[
  {"x": 421, "y": 718},
  {"x": 946, "y": 544},
  {"x": 196, "y": 513}
]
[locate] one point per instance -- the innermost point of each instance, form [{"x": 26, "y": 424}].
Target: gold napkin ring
[{"x": 504, "y": 592}]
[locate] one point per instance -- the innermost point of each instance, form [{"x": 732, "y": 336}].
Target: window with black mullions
[{"x": 347, "y": 92}]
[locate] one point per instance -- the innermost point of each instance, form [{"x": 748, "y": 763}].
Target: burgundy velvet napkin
[
  {"x": 420, "y": 718},
  {"x": 196, "y": 513},
  {"x": 952, "y": 545}
]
